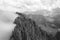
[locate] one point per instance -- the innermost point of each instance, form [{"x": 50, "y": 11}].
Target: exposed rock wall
[{"x": 28, "y": 29}]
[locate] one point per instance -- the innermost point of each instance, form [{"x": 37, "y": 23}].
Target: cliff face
[{"x": 30, "y": 29}]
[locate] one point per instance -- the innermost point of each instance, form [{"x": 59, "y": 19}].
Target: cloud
[{"x": 24, "y": 5}]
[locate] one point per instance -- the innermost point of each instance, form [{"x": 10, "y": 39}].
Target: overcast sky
[{"x": 27, "y": 5}]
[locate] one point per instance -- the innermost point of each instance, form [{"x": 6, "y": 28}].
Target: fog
[{"x": 6, "y": 24}]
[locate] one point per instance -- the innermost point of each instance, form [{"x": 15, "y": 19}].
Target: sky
[{"x": 28, "y": 5}]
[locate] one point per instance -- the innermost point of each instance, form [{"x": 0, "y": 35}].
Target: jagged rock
[{"x": 27, "y": 29}]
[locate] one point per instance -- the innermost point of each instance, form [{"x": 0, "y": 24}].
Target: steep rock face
[{"x": 29, "y": 29}]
